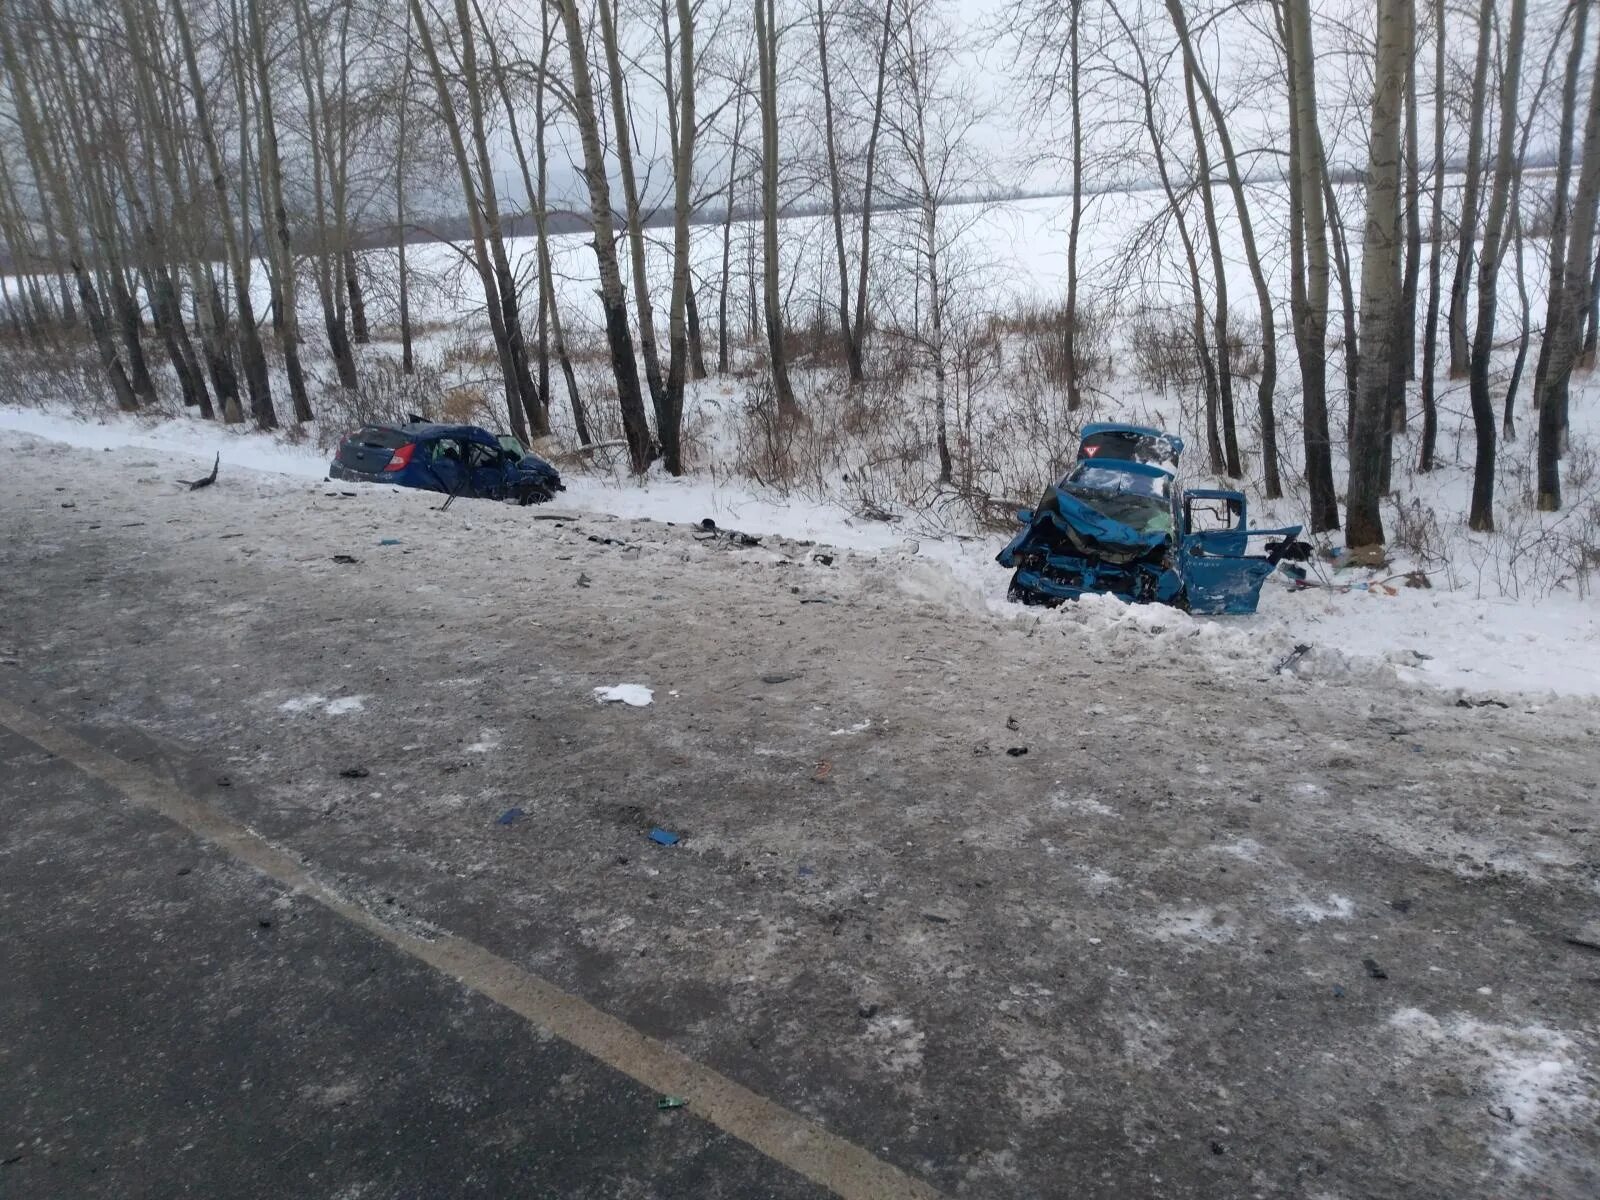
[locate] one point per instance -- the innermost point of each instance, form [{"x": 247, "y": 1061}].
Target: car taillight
[{"x": 402, "y": 456}]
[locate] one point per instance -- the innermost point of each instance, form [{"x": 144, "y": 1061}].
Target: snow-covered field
[{"x": 1480, "y": 644}]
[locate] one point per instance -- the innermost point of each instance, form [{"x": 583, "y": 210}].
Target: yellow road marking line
[{"x": 803, "y": 1146}]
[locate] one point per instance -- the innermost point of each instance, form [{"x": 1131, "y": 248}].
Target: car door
[
  {"x": 446, "y": 464},
  {"x": 486, "y": 468},
  {"x": 1219, "y": 573}
]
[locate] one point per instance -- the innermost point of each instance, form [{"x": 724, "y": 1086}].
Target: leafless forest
[{"x": 227, "y": 202}]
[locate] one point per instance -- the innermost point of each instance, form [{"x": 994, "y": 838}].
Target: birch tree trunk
[
  {"x": 767, "y": 53},
  {"x": 612, "y": 299},
  {"x": 858, "y": 330},
  {"x": 691, "y": 309},
  {"x": 320, "y": 139},
  {"x": 1311, "y": 330},
  {"x": 1380, "y": 275},
  {"x": 727, "y": 226},
  {"x": 622, "y": 147},
  {"x": 852, "y": 352},
  {"x": 670, "y": 428},
  {"x": 1576, "y": 290},
  {"x": 1075, "y": 223},
  {"x": 1460, "y": 349},
  {"x": 408, "y": 364},
  {"x": 1481, "y": 515},
  {"x": 549, "y": 307},
  {"x": 1407, "y": 346},
  {"x": 278, "y": 221},
  {"x": 1508, "y": 424},
  {"x": 1430, "y": 325},
  {"x": 1229, "y": 461},
  {"x": 1560, "y": 208}
]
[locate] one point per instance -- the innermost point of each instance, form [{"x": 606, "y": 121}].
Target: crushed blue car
[
  {"x": 1119, "y": 523},
  {"x": 459, "y": 460}
]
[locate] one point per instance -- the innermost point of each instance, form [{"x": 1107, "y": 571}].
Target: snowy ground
[
  {"x": 1009, "y": 900},
  {"x": 1477, "y": 643}
]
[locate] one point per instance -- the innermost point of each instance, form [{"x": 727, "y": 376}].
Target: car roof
[
  {"x": 427, "y": 430},
  {"x": 1126, "y": 465},
  {"x": 1094, "y": 428}
]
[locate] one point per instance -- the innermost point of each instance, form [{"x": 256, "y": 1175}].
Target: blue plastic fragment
[
  {"x": 510, "y": 815},
  {"x": 805, "y": 870},
  {"x": 389, "y": 541},
  {"x": 663, "y": 837}
]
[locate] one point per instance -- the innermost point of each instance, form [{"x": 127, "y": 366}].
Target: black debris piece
[
  {"x": 194, "y": 485},
  {"x": 709, "y": 531},
  {"x": 1288, "y": 660}
]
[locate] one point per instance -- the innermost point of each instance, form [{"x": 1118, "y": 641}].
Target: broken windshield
[{"x": 1136, "y": 500}]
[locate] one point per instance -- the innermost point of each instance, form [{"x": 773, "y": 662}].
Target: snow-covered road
[{"x": 1007, "y": 900}]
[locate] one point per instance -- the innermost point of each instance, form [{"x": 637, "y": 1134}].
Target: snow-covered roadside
[{"x": 1448, "y": 639}]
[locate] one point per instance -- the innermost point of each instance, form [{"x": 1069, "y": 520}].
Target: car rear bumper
[{"x": 339, "y": 471}]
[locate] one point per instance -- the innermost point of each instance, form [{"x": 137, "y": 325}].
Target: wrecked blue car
[
  {"x": 1119, "y": 523},
  {"x": 459, "y": 460}
]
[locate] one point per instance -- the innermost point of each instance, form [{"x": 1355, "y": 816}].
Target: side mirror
[{"x": 1025, "y": 516}]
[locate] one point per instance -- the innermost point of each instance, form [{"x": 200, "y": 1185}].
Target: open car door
[{"x": 1220, "y": 574}]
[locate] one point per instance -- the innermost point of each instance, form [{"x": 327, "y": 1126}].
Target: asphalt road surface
[{"x": 271, "y": 922}]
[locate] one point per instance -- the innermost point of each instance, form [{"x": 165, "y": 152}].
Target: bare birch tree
[
  {"x": 670, "y": 427},
  {"x": 772, "y": 304},
  {"x": 1577, "y": 292},
  {"x": 1481, "y": 515},
  {"x": 1380, "y": 275},
  {"x": 619, "y": 337},
  {"x": 1310, "y": 292},
  {"x": 1460, "y": 347}
]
